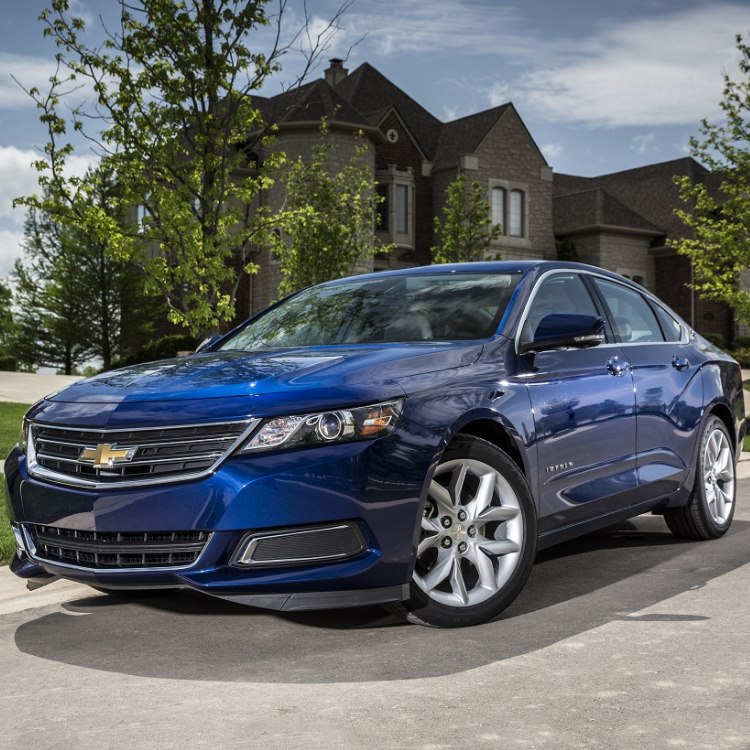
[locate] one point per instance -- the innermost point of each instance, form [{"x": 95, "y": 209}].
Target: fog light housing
[{"x": 300, "y": 546}]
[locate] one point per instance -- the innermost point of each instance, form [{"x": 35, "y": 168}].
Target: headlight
[{"x": 335, "y": 426}]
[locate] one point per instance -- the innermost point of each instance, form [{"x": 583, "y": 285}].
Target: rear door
[{"x": 667, "y": 381}]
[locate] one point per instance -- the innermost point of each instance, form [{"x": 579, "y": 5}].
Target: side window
[
  {"x": 671, "y": 328},
  {"x": 632, "y": 318},
  {"x": 561, "y": 293}
]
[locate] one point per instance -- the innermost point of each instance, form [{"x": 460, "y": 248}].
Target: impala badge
[{"x": 106, "y": 455}]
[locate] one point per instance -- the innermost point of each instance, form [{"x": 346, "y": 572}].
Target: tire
[
  {"x": 478, "y": 538},
  {"x": 708, "y": 514}
]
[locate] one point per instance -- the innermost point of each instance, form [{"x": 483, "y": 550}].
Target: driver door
[{"x": 584, "y": 413}]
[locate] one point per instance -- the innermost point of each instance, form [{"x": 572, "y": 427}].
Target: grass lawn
[
  {"x": 10, "y": 426},
  {"x": 7, "y": 540}
]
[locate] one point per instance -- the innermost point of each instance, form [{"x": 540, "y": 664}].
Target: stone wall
[
  {"x": 627, "y": 254},
  {"x": 587, "y": 248},
  {"x": 508, "y": 155}
]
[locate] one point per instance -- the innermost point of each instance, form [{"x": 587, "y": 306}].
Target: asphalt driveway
[{"x": 623, "y": 639}]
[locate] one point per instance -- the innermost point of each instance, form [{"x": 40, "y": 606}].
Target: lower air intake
[
  {"x": 117, "y": 550},
  {"x": 299, "y": 546}
]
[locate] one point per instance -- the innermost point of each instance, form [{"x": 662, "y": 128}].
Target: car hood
[{"x": 220, "y": 384}]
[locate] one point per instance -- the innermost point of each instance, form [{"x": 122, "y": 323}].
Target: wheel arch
[
  {"x": 499, "y": 435},
  {"x": 724, "y": 413}
]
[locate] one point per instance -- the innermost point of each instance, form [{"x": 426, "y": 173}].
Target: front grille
[
  {"x": 107, "y": 550},
  {"x": 134, "y": 455}
]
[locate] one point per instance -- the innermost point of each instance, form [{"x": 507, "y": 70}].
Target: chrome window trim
[
  {"x": 32, "y": 552},
  {"x": 39, "y": 472},
  {"x": 685, "y": 333}
]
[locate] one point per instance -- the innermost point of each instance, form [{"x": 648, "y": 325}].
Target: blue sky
[{"x": 601, "y": 86}]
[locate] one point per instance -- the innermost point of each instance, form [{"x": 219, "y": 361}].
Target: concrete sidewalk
[{"x": 28, "y": 387}]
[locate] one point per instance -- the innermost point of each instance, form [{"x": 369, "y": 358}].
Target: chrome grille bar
[{"x": 135, "y": 456}]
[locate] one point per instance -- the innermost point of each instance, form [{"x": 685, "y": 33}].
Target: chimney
[{"x": 336, "y": 72}]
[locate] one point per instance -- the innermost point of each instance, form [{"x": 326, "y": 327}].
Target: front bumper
[{"x": 376, "y": 486}]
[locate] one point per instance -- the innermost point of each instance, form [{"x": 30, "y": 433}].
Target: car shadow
[{"x": 573, "y": 587}]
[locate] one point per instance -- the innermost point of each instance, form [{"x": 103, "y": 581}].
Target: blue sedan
[{"x": 409, "y": 438}]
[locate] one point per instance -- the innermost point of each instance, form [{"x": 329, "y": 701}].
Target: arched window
[
  {"x": 517, "y": 209},
  {"x": 499, "y": 195}
]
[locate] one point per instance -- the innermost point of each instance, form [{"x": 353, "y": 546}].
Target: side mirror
[
  {"x": 564, "y": 330},
  {"x": 207, "y": 343}
]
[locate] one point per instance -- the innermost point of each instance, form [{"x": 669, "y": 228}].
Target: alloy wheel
[
  {"x": 472, "y": 534},
  {"x": 718, "y": 476}
]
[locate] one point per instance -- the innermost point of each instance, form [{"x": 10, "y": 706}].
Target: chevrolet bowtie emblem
[{"x": 105, "y": 455}]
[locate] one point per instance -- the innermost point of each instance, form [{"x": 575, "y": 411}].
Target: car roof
[{"x": 501, "y": 266}]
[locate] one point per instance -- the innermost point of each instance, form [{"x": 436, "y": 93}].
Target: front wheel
[
  {"x": 477, "y": 540},
  {"x": 708, "y": 514}
]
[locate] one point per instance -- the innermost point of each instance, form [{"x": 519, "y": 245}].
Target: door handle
[
  {"x": 680, "y": 363},
  {"x": 617, "y": 367}
]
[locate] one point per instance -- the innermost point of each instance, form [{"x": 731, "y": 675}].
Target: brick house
[
  {"x": 414, "y": 157},
  {"x": 618, "y": 221},
  {"x": 622, "y": 221}
]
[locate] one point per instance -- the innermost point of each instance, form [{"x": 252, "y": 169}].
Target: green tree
[
  {"x": 175, "y": 120},
  {"x": 466, "y": 231},
  {"x": 71, "y": 290},
  {"x": 327, "y": 227},
  {"x": 718, "y": 243},
  {"x": 51, "y": 325},
  {"x": 7, "y": 325}
]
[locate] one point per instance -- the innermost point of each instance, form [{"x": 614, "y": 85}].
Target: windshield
[{"x": 418, "y": 307}]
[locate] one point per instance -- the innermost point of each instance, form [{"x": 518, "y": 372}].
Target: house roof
[
  {"x": 310, "y": 103},
  {"x": 648, "y": 192},
  {"x": 464, "y": 135},
  {"x": 365, "y": 97},
  {"x": 595, "y": 207},
  {"x": 371, "y": 93}
]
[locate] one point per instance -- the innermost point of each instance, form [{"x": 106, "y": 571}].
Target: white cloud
[
  {"x": 29, "y": 72},
  {"x": 10, "y": 249},
  {"x": 18, "y": 177},
  {"x": 552, "y": 150},
  {"x": 499, "y": 93},
  {"x": 79, "y": 9},
  {"x": 643, "y": 143},
  {"x": 658, "y": 71},
  {"x": 397, "y": 26}
]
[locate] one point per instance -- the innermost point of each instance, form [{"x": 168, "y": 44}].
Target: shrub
[
  {"x": 163, "y": 348},
  {"x": 717, "y": 339}
]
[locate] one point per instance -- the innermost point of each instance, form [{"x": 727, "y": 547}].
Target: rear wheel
[
  {"x": 708, "y": 514},
  {"x": 477, "y": 541}
]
